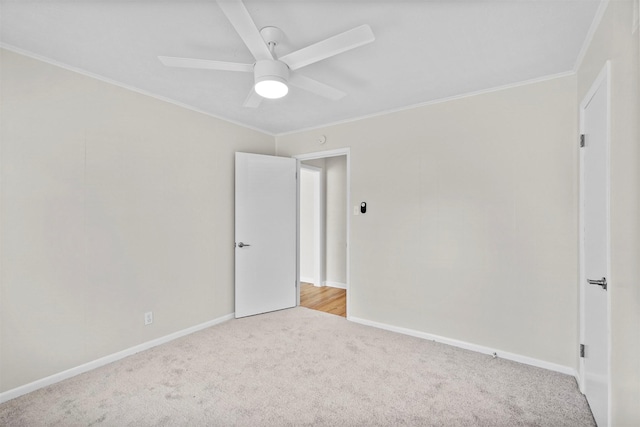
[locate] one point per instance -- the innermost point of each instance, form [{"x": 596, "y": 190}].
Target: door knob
[
  {"x": 602, "y": 282},
  {"x": 242, "y": 245}
]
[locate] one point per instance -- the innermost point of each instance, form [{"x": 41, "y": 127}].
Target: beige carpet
[{"x": 304, "y": 367}]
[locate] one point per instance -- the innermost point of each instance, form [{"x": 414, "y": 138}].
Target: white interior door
[
  {"x": 595, "y": 214},
  {"x": 265, "y": 234}
]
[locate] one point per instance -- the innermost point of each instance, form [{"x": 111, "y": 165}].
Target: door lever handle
[
  {"x": 242, "y": 245},
  {"x": 602, "y": 282}
]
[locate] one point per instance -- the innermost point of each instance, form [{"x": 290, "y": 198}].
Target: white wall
[
  {"x": 308, "y": 213},
  {"x": 113, "y": 204},
  {"x": 471, "y": 231},
  {"x": 333, "y": 175},
  {"x": 615, "y": 41},
  {"x": 336, "y": 221}
]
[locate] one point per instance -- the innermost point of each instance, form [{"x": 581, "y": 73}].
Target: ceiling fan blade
[
  {"x": 205, "y": 64},
  {"x": 329, "y": 47},
  {"x": 253, "y": 100},
  {"x": 237, "y": 14},
  {"x": 314, "y": 86}
]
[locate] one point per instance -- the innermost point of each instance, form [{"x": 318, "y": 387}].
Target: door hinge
[
  {"x": 581, "y": 350},
  {"x": 582, "y": 140}
]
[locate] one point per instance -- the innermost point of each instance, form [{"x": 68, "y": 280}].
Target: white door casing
[
  {"x": 266, "y": 271},
  {"x": 595, "y": 248}
]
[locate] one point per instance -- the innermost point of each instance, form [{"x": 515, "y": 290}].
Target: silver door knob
[
  {"x": 602, "y": 282},
  {"x": 242, "y": 245}
]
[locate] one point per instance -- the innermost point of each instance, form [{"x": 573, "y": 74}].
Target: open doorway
[{"x": 324, "y": 225}]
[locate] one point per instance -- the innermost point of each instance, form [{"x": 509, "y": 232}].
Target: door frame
[
  {"x": 604, "y": 78},
  {"x": 323, "y": 155},
  {"x": 318, "y": 226}
]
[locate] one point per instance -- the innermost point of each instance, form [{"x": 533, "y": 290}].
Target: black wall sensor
[{"x": 363, "y": 207}]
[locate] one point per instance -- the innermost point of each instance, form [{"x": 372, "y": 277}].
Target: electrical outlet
[{"x": 148, "y": 318}]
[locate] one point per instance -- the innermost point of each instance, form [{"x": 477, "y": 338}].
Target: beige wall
[
  {"x": 471, "y": 229},
  {"x": 336, "y": 221},
  {"x": 614, "y": 41},
  {"x": 113, "y": 204}
]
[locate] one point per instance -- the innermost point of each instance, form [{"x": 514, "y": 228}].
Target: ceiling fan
[{"x": 272, "y": 75}]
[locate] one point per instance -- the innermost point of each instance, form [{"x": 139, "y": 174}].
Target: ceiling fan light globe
[{"x": 273, "y": 88}]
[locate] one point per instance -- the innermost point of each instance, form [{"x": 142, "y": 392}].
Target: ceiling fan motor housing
[{"x": 271, "y": 70}]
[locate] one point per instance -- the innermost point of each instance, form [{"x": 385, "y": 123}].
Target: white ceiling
[{"x": 424, "y": 50}]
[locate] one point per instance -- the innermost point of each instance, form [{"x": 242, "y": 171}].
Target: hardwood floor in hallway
[{"x": 327, "y": 299}]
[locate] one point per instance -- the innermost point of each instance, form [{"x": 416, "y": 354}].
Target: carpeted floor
[{"x": 304, "y": 367}]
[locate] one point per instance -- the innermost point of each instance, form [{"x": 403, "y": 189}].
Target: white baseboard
[
  {"x": 324, "y": 283},
  {"x": 469, "y": 346},
  {"x": 60, "y": 376},
  {"x": 334, "y": 284}
]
